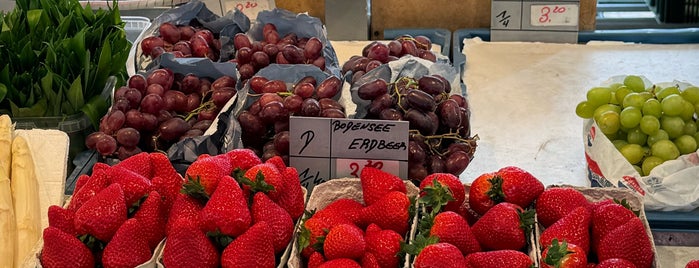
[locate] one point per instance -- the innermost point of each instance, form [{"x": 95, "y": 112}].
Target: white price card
[
  {"x": 352, "y": 168},
  {"x": 554, "y": 15},
  {"x": 250, "y": 8}
]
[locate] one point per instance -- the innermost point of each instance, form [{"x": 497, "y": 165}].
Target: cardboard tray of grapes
[{"x": 329, "y": 191}]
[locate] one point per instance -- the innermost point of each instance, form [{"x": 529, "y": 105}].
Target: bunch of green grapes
[{"x": 647, "y": 125}]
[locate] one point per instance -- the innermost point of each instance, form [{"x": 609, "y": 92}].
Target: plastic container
[
  {"x": 438, "y": 36},
  {"x": 677, "y": 11},
  {"x": 134, "y": 26}
]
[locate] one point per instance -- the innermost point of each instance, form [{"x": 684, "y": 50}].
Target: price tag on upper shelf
[
  {"x": 250, "y": 8},
  {"x": 554, "y": 15}
]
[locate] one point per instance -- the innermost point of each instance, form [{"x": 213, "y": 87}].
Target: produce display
[
  {"x": 155, "y": 110},
  {"x": 647, "y": 124},
  {"x": 183, "y": 41}
]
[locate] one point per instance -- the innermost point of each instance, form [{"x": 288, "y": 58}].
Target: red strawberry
[
  {"x": 134, "y": 185},
  {"x": 268, "y": 174},
  {"x": 340, "y": 263},
  {"x": 442, "y": 255},
  {"x": 563, "y": 255},
  {"x": 607, "y": 217},
  {"x": 80, "y": 182},
  {"x": 315, "y": 260},
  {"x": 384, "y": 245},
  {"x": 456, "y": 188},
  {"x": 504, "y": 226},
  {"x": 556, "y": 202},
  {"x": 376, "y": 183},
  {"x": 188, "y": 246},
  {"x": 227, "y": 210},
  {"x": 202, "y": 176},
  {"x": 692, "y": 264},
  {"x": 292, "y": 199},
  {"x": 128, "y": 248},
  {"x": 243, "y": 159},
  {"x": 64, "y": 250},
  {"x": 100, "y": 166},
  {"x": 94, "y": 185},
  {"x": 480, "y": 198},
  {"x": 344, "y": 241},
  {"x": 574, "y": 228},
  {"x": 184, "y": 207},
  {"x": 389, "y": 212},
  {"x": 519, "y": 186},
  {"x": 62, "y": 219},
  {"x": 277, "y": 161},
  {"x": 346, "y": 207},
  {"x": 453, "y": 229},
  {"x": 315, "y": 227},
  {"x": 619, "y": 263},
  {"x": 102, "y": 215},
  {"x": 499, "y": 259},
  {"x": 369, "y": 261},
  {"x": 628, "y": 241},
  {"x": 280, "y": 223},
  {"x": 372, "y": 229},
  {"x": 153, "y": 219},
  {"x": 139, "y": 163},
  {"x": 168, "y": 188},
  {"x": 162, "y": 167},
  {"x": 251, "y": 249}
]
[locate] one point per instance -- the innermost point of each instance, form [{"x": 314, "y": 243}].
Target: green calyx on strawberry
[
  {"x": 435, "y": 196},
  {"x": 495, "y": 192},
  {"x": 418, "y": 244},
  {"x": 258, "y": 184},
  {"x": 194, "y": 188},
  {"x": 625, "y": 203},
  {"x": 562, "y": 254}
]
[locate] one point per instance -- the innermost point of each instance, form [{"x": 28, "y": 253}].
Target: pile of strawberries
[{"x": 351, "y": 233}]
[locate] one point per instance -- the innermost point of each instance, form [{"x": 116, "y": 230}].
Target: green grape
[
  {"x": 673, "y": 125},
  {"x": 616, "y": 135},
  {"x": 615, "y": 86},
  {"x": 619, "y": 143},
  {"x": 686, "y": 144},
  {"x": 672, "y": 105},
  {"x": 605, "y": 108},
  {"x": 665, "y": 149},
  {"x": 599, "y": 95},
  {"x": 652, "y": 107},
  {"x": 632, "y": 152},
  {"x": 687, "y": 111},
  {"x": 609, "y": 122},
  {"x": 633, "y": 99},
  {"x": 649, "y": 124},
  {"x": 585, "y": 110},
  {"x": 630, "y": 117},
  {"x": 690, "y": 127},
  {"x": 649, "y": 163},
  {"x": 634, "y": 82},
  {"x": 696, "y": 108},
  {"x": 696, "y": 137},
  {"x": 620, "y": 93},
  {"x": 658, "y": 136},
  {"x": 691, "y": 94},
  {"x": 663, "y": 93},
  {"x": 646, "y": 150},
  {"x": 636, "y": 136},
  {"x": 646, "y": 95},
  {"x": 638, "y": 169}
]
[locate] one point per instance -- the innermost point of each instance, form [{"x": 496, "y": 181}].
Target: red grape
[
  {"x": 161, "y": 77},
  {"x": 92, "y": 139},
  {"x": 128, "y": 137},
  {"x": 241, "y": 40},
  {"x": 244, "y": 55},
  {"x": 126, "y": 152},
  {"x": 221, "y": 96},
  {"x": 378, "y": 51},
  {"x": 281, "y": 142},
  {"x": 313, "y": 48},
  {"x": 186, "y": 32},
  {"x": 200, "y": 48},
  {"x": 293, "y": 103},
  {"x": 207, "y": 35},
  {"x": 151, "y": 42},
  {"x": 169, "y": 32},
  {"x": 106, "y": 145},
  {"x": 310, "y": 107},
  {"x": 133, "y": 96},
  {"x": 193, "y": 101},
  {"x": 329, "y": 87},
  {"x": 137, "y": 81},
  {"x": 274, "y": 86},
  {"x": 172, "y": 129},
  {"x": 269, "y": 97},
  {"x": 457, "y": 162},
  {"x": 373, "y": 89},
  {"x": 293, "y": 54},
  {"x": 260, "y": 59},
  {"x": 223, "y": 81},
  {"x": 273, "y": 111},
  {"x": 152, "y": 104}
]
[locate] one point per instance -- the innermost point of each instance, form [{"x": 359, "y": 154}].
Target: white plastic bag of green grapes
[{"x": 643, "y": 136}]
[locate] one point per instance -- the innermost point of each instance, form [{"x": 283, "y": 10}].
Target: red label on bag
[{"x": 633, "y": 183}]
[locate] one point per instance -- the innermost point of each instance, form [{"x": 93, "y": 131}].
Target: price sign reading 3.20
[
  {"x": 535, "y": 21},
  {"x": 554, "y": 15}
]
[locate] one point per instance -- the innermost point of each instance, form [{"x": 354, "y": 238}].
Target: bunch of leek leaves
[{"x": 56, "y": 57}]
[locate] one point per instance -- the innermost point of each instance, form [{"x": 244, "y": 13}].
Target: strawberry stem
[{"x": 195, "y": 189}]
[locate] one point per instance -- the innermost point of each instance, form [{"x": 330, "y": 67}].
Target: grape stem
[
  {"x": 439, "y": 138},
  {"x": 396, "y": 90},
  {"x": 417, "y": 43},
  {"x": 206, "y": 105}
]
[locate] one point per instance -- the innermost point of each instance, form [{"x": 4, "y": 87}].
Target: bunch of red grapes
[
  {"x": 377, "y": 53},
  {"x": 183, "y": 41},
  {"x": 440, "y": 136},
  {"x": 152, "y": 112},
  {"x": 251, "y": 56},
  {"x": 265, "y": 123}
]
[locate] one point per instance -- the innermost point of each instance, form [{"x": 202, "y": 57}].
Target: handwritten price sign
[
  {"x": 250, "y": 8},
  {"x": 554, "y": 15},
  {"x": 535, "y": 21}
]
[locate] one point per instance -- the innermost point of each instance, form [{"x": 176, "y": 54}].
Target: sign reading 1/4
[
  {"x": 526, "y": 20},
  {"x": 325, "y": 148}
]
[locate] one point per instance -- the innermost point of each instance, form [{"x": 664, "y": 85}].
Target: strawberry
[
  {"x": 100, "y": 166},
  {"x": 188, "y": 246},
  {"x": 563, "y": 255},
  {"x": 184, "y": 207},
  {"x": 344, "y": 241},
  {"x": 316, "y": 227},
  {"x": 251, "y": 249},
  {"x": 453, "y": 229},
  {"x": 80, "y": 182},
  {"x": 128, "y": 248},
  {"x": 102, "y": 215},
  {"x": 480, "y": 197},
  {"x": 94, "y": 185},
  {"x": 556, "y": 202},
  {"x": 259, "y": 178},
  {"x": 574, "y": 228},
  {"x": 369, "y": 261},
  {"x": 277, "y": 161},
  {"x": 693, "y": 264},
  {"x": 315, "y": 260},
  {"x": 168, "y": 188},
  {"x": 456, "y": 188},
  {"x": 280, "y": 223},
  {"x": 628, "y": 241},
  {"x": 292, "y": 199},
  {"x": 346, "y": 207},
  {"x": 243, "y": 159},
  {"x": 340, "y": 263},
  {"x": 62, "y": 219},
  {"x": 162, "y": 167},
  {"x": 619, "y": 263},
  {"x": 227, "y": 210},
  {"x": 504, "y": 226},
  {"x": 389, "y": 212},
  {"x": 202, "y": 176},
  {"x": 442, "y": 255},
  {"x": 135, "y": 186},
  {"x": 499, "y": 259},
  {"x": 519, "y": 186},
  {"x": 139, "y": 163},
  {"x": 64, "y": 250},
  {"x": 153, "y": 219},
  {"x": 607, "y": 217},
  {"x": 384, "y": 245},
  {"x": 376, "y": 183}
]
